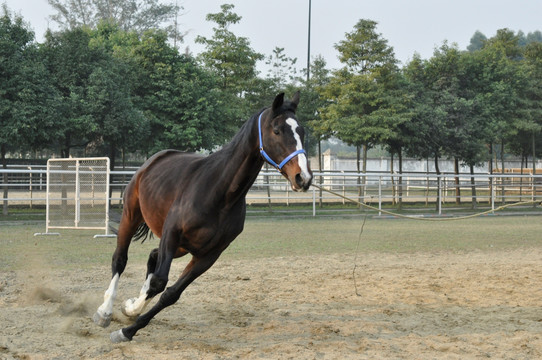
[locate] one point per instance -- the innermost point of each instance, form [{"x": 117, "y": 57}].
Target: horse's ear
[
  {"x": 277, "y": 103},
  {"x": 295, "y": 99}
]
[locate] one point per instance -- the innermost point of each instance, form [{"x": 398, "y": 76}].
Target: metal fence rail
[{"x": 26, "y": 187}]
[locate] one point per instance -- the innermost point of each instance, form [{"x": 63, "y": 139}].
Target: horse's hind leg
[
  {"x": 127, "y": 228},
  {"x": 195, "y": 268},
  {"x": 134, "y": 307}
]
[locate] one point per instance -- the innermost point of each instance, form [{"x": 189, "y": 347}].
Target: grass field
[{"x": 272, "y": 237}]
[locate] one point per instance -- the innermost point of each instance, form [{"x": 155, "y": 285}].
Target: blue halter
[{"x": 267, "y": 157}]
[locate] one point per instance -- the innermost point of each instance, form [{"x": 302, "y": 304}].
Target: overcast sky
[{"x": 409, "y": 26}]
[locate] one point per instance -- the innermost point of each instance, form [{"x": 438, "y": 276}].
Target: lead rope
[
  {"x": 367, "y": 206},
  {"x": 357, "y": 251}
]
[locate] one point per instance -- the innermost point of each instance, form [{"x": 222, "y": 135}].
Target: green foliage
[
  {"x": 229, "y": 56},
  {"x": 129, "y": 15},
  {"x": 308, "y": 111},
  {"x": 365, "y": 101},
  {"x": 466, "y": 101},
  {"x": 26, "y": 95},
  {"x": 282, "y": 69},
  {"x": 109, "y": 82},
  {"x": 231, "y": 59},
  {"x": 364, "y": 50},
  {"x": 71, "y": 62},
  {"x": 181, "y": 99},
  {"x": 477, "y": 41}
]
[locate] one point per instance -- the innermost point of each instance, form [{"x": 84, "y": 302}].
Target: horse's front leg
[
  {"x": 134, "y": 306},
  {"x": 127, "y": 228},
  {"x": 103, "y": 315}
]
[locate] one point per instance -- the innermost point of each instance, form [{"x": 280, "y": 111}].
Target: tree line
[{"x": 111, "y": 86}]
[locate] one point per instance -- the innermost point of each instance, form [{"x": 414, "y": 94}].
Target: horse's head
[{"x": 281, "y": 142}]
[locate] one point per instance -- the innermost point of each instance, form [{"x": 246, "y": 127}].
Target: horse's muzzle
[{"x": 303, "y": 182}]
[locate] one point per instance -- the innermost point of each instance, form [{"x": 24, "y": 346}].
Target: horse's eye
[{"x": 276, "y": 131}]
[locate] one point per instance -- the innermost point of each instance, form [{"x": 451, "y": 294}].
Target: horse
[{"x": 197, "y": 205}]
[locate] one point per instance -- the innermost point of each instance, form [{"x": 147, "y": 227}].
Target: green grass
[
  {"x": 23, "y": 214},
  {"x": 266, "y": 237},
  {"x": 349, "y": 208},
  {"x": 285, "y": 237}
]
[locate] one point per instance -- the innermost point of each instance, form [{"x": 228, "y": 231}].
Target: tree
[
  {"x": 445, "y": 74},
  {"x": 533, "y": 37},
  {"x": 119, "y": 123},
  {"x": 282, "y": 71},
  {"x": 446, "y": 121},
  {"x": 355, "y": 92},
  {"x": 477, "y": 41},
  {"x": 365, "y": 50},
  {"x": 363, "y": 105},
  {"x": 26, "y": 97},
  {"x": 309, "y": 109},
  {"x": 500, "y": 86},
  {"x": 427, "y": 130},
  {"x": 15, "y": 38},
  {"x": 233, "y": 61},
  {"x": 70, "y": 61},
  {"x": 528, "y": 138},
  {"x": 131, "y": 15},
  {"x": 228, "y": 55},
  {"x": 181, "y": 100}
]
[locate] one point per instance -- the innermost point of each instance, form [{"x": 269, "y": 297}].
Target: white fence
[
  {"x": 378, "y": 189},
  {"x": 26, "y": 186}
]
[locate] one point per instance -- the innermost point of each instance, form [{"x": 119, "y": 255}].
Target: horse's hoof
[
  {"x": 100, "y": 320},
  {"x": 118, "y": 337}
]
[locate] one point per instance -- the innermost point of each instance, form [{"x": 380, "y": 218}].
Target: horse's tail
[{"x": 143, "y": 232}]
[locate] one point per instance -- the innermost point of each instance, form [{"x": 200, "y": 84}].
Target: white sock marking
[
  {"x": 106, "y": 309},
  {"x": 135, "y": 306}
]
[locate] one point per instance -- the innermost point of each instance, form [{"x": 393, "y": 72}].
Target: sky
[{"x": 414, "y": 26}]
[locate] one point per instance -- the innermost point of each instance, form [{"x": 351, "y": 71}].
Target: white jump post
[{"x": 77, "y": 195}]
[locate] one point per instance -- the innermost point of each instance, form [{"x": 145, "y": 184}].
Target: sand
[{"x": 473, "y": 305}]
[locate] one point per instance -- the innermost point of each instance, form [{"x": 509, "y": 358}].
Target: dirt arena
[{"x": 472, "y": 305}]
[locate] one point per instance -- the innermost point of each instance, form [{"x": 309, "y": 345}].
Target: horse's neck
[{"x": 242, "y": 163}]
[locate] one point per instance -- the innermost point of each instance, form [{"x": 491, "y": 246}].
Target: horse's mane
[
  {"x": 240, "y": 136},
  {"x": 247, "y": 127}
]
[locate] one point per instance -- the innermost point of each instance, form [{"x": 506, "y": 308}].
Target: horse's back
[
  {"x": 158, "y": 182},
  {"x": 170, "y": 159},
  {"x": 167, "y": 166}
]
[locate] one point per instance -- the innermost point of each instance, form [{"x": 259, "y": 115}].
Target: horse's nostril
[
  {"x": 299, "y": 180},
  {"x": 302, "y": 182}
]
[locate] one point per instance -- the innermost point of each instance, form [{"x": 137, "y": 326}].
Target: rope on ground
[
  {"x": 367, "y": 206},
  {"x": 357, "y": 252}
]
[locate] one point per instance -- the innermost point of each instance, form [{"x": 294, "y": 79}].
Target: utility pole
[{"x": 309, "y": 45}]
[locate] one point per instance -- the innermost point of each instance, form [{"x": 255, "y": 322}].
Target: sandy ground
[{"x": 474, "y": 305}]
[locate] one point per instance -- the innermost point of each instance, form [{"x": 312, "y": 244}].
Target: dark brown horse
[{"x": 197, "y": 205}]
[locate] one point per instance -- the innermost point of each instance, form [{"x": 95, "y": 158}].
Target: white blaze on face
[{"x": 301, "y": 158}]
